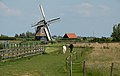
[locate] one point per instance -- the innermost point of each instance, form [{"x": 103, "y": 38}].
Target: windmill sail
[
  {"x": 53, "y": 20},
  {"x": 42, "y": 12},
  {"x": 48, "y": 34}
]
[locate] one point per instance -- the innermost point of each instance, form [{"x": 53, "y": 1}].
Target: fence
[
  {"x": 75, "y": 56},
  {"x": 20, "y": 51},
  {"x": 109, "y": 69}
]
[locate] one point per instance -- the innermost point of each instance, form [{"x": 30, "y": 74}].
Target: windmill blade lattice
[
  {"x": 42, "y": 12},
  {"x": 53, "y": 20}
]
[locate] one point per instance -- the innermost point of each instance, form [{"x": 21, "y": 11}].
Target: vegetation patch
[{"x": 98, "y": 61}]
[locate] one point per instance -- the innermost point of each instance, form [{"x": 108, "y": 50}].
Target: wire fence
[{"x": 87, "y": 69}]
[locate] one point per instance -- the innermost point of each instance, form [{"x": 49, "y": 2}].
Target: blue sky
[{"x": 83, "y": 17}]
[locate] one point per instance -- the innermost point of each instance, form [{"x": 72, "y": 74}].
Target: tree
[
  {"x": 116, "y": 32},
  {"x": 16, "y": 35},
  {"x": 22, "y": 35},
  {"x": 29, "y": 34}
]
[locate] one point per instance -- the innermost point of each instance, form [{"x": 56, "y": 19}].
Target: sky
[{"x": 82, "y": 17}]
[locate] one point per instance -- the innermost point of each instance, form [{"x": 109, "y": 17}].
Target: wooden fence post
[
  {"x": 111, "y": 72},
  {"x": 84, "y": 69},
  {"x": 10, "y": 46},
  {"x": 71, "y": 59},
  {"x": 66, "y": 63},
  {"x": 81, "y": 53},
  {"x": 76, "y": 55}
]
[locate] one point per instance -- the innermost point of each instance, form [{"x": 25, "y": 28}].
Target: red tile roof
[{"x": 70, "y": 35}]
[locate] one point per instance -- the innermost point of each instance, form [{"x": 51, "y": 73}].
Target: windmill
[{"x": 42, "y": 30}]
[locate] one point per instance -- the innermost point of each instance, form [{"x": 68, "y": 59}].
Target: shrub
[{"x": 103, "y": 39}]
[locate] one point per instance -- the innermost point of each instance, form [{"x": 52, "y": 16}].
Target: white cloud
[
  {"x": 103, "y": 8},
  {"x": 88, "y": 9},
  {"x": 85, "y": 5},
  {"x": 5, "y": 10},
  {"x": 3, "y": 6},
  {"x": 85, "y": 9}
]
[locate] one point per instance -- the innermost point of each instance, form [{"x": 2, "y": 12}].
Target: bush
[
  {"x": 103, "y": 39},
  {"x": 69, "y": 40}
]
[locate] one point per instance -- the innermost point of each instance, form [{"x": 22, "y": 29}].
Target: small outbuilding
[{"x": 70, "y": 35}]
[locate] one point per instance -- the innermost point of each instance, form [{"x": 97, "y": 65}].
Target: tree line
[
  {"x": 115, "y": 35},
  {"x": 22, "y": 35},
  {"x": 25, "y": 35}
]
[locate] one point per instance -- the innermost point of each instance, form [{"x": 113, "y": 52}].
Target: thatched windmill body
[{"x": 42, "y": 30}]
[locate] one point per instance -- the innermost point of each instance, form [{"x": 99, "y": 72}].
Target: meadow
[
  {"x": 99, "y": 61},
  {"x": 98, "y": 57}
]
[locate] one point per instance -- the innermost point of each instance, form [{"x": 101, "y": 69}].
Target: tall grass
[{"x": 98, "y": 62}]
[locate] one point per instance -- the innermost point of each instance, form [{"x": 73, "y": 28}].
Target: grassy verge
[{"x": 41, "y": 65}]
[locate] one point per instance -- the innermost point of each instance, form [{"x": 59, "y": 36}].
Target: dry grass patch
[
  {"x": 101, "y": 58},
  {"x": 98, "y": 62}
]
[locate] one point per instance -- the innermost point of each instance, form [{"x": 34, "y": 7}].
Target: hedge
[{"x": 7, "y": 38}]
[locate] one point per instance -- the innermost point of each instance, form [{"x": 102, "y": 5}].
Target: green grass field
[
  {"x": 50, "y": 64},
  {"x": 40, "y": 65}
]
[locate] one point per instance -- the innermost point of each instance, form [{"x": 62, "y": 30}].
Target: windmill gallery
[{"x": 42, "y": 30}]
